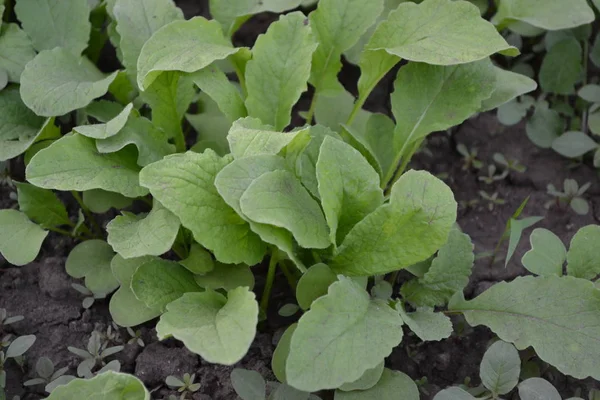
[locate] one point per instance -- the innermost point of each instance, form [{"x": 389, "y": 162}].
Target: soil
[{"x": 42, "y": 293}]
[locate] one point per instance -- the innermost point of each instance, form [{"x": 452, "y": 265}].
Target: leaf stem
[
  {"x": 405, "y": 160},
  {"x": 311, "y": 110},
  {"x": 288, "y": 275},
  {"x": 87, "y": 212},
  {"x": 179, "y": 141},
  {"x": 64, "y": 232},
  {"x": 584, "y": 116},
  {"x": 264, "y": 300}
]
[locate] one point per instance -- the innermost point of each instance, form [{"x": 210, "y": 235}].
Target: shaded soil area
[{"x": 53, "y": 310}]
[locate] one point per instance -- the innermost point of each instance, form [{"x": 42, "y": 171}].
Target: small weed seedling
[
  {"x": 184, "y": 385},
  {"x": 469, "y": 157},
  {"x": 48, "y": 376},
  {"x": 94, "y": 357},
  {"x": 491, "y": 177},
  {"x": 492, "y": 200},
  {"x": 509, "y": 164},
  {"x": 571, "y": 196}
]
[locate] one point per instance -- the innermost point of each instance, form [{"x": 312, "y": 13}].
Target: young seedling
[
  {"x": 135, "y": 337},
  {"x": 510, "y": 164},
  {"x": 48, "y": 376},
  {"x": 491, "y": 177},
  {"x": 89, "y": 299},
  {"x": 469, "y": 157},
  {"x": 468, "y": 204},
  {"x": 94, "y": 356},
  {"x": 492, "y": 199},
  {"x": 5, "y": 320},
  {"x": 571, "y": 196},
  {"x": 183, "y": 385},
  {"x": 14, "y": 350}
]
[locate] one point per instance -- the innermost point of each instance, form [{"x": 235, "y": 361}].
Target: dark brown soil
[{"x": 42, "y": 292}]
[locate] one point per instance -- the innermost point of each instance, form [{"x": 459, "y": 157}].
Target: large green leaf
[
  {"x": 106, "y": 386},
  {"x": 137, "y": 20},
  {"x": 15, "y": 51},
  {"x": 20, "y": 239},
  {"x": 360, "y": 333},
  {"x": 213, "y": 82},
  {"x": 509, "y": 85},
  {"x": 520, "y": 310},
  {"x": 42, "y": 206},
  {"x": 546, "y": 14},
  {"x": 125, "y": 309},
  {"x": 185, "y": 46},
  {"x": 280, "y": 66},
  {"x": 73, "y": 163},
  {"x": 139, "y": 235},
  {"x": 56, "y": 82},
  {"x": 348, "y": 186},
  {"x": 91, "y": 260},
  {"x": 278, "y": 198},
  {"x": 411, "y": 227},
  {"x": 547, "y": 254},
  {"x": 184, "y": 183},
  {"x": 562, "y": 67},
  {"x": 391, "y": 385},
  {"x": 429, "y": 98},
  {"x": 500, "y": 368},
  {"x": 584, "y": 253},
  {"x": 52, "y": 24},
  {"x": 217, "y": 328},
  {"x": 338, "y": 25},
  {"x": 449, "y": 273},
  {"x": 426, "y": 324}
]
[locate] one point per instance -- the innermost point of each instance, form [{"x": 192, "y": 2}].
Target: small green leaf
[
  {"x": 19, "y": 346},
  {"x": 281, "y": 353},
  {"x": 109, "y": 385},
  {"x": 500, "y": 368},
  {"x": 217, "y": 328},
  {"x": 185, "y": 46},
  {"x": 179, "y": 178},
  {"x": 583, "y": 258},
  {"x": 454, "y": 393},
  {"x": 91, "y": 260},
  {"x": 550, "y": 15},
  {"x": 42, "y": 206},
  {"x": 56, "y": 82},
  {"x": 125, "y": 309},
  {"x": 20, "y": 239},
  {"x": 278, "y": 198},
  {"x": 158, "y": 282},
  {"x": 518, "y": 311},
  {"x": 211, "y": 125},
  {"x": 313, "y": 284},
  {"x": 427, "y": 324},
  {"x": 547, "y": 254},
  {"x": 199, "y": 261},
  {"x": 226, "y": 276},
  {"x": 73, "y": 163},
  {"x": 15, "y": 52},
  {"x": 332, "y": 112},
  {"x": 420, "y": 215},
  {"x": 574, "y": 144},
  {"x": 367, "y": 381},
  {"x": 509, "y": 85},
  {"x": 249, "y": 385},
  {"x": 213, "y": 82},
  {"x": 590, "y": 93},
  {"x": 537, "y": 389},
  {"x": 378, "y": 139},
  {"x": 108, "y": 129},
  {"x": 562, "y": 67},
  {"x": 361, "y": 333},
  {"x": 100, "y": 201},
  {"x": 390, "y": 386},
  {"x": 544, "y": 126},
  {"x": 280, "y": 66},
  {"x": 52, "y": 24}
]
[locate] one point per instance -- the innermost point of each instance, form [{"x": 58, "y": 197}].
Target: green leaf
[
  {"x": 583, "y": 257},
  {"x": 139, "y": 235},
  {"x": 152, "y": 143},
  {"x": 100, "y": 201},
  {"x": 249, "y": 385},
  {"x": 199, "y": 261},
  {"x": 449, "y": 273},
  {"x": 91, "y": 260},
  {"x": 509, "y": 85},
  {"x": 212, "y": 81},
  {"x": 42, "y": 206},
  {"x": 518, "y": 311},
  {"x": 185, "y": 46},
  {"x": 500, "y": 368},
  {"x": 574, "y": 144},
  {"x": 544, "y": 126},
  {"x": 217, "y": 328},
  {"x": 109, "y": 385},
  {"x": 419, "y": 215},
  {"x": 56, "y": 82},
  {"x": 517, "y": 226},
  {"x": 73, "y": 163},
  {"x": 52, "y": 24},
  {"x": 20, "y": 239},
  {"x": 125, "y": 309},
  {"x": 454, "y": 393},
  {"x": 313, "y": 284},
  {"x": 281, "y": 353},
  {"x": 378, "y": 139},
  {"x": 184, "y": 184},
  {"x": 562, "y": 67},
  {"x": 137, "y": 20},
  {"x": 390, "y": 386},
  {"x": 550, "y": 15},
  {"x": 158, "y": 282},
  {"x": 211, "y": 125},
  {"x": 338, "y": 25},
  {"x": 280, "y": 66},
  {"x": 15, "y": 51},
  {"x": 332, "y": 112},
  {"x": 361, "y": 333},
  {"x": 250, "y": 137},
  {"x": 537, "y": 389},
  {"x": 367, "y": 381},
  {"x": 429, "y": 98},
  {"x": 590, "y": 93},
  {"x": 348, "y": 187},
  {"x": 226, "y": 276},
  {"x": 427, "y": 324},
  {"x": 278, "y": 198},
  {"x": 547, "y": 254},
  {"x": 108, "y": 129}
]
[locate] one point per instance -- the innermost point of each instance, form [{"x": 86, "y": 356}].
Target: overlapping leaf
[{"x": 20, "y": 239}]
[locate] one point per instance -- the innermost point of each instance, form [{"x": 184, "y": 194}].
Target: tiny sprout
[
  {"x": 112, "y": 335},
  {"x": 510, "y": 164},
  {"x": 5, "y": 179},
  {"x": 184, "y": 385},
  {"x": 6, "y": 320},
  {"x": 491, "y": 177},
  {"x": 88, "y": 301},
  {"x": 136, "y": 337},
  {"x": 94, "y": 356},
  {"x": 466, "y": 204},
  {"x": 469, "y": 157},
  {"x": 570, "y": 196},
  {"x": 492, "y": 199}
]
